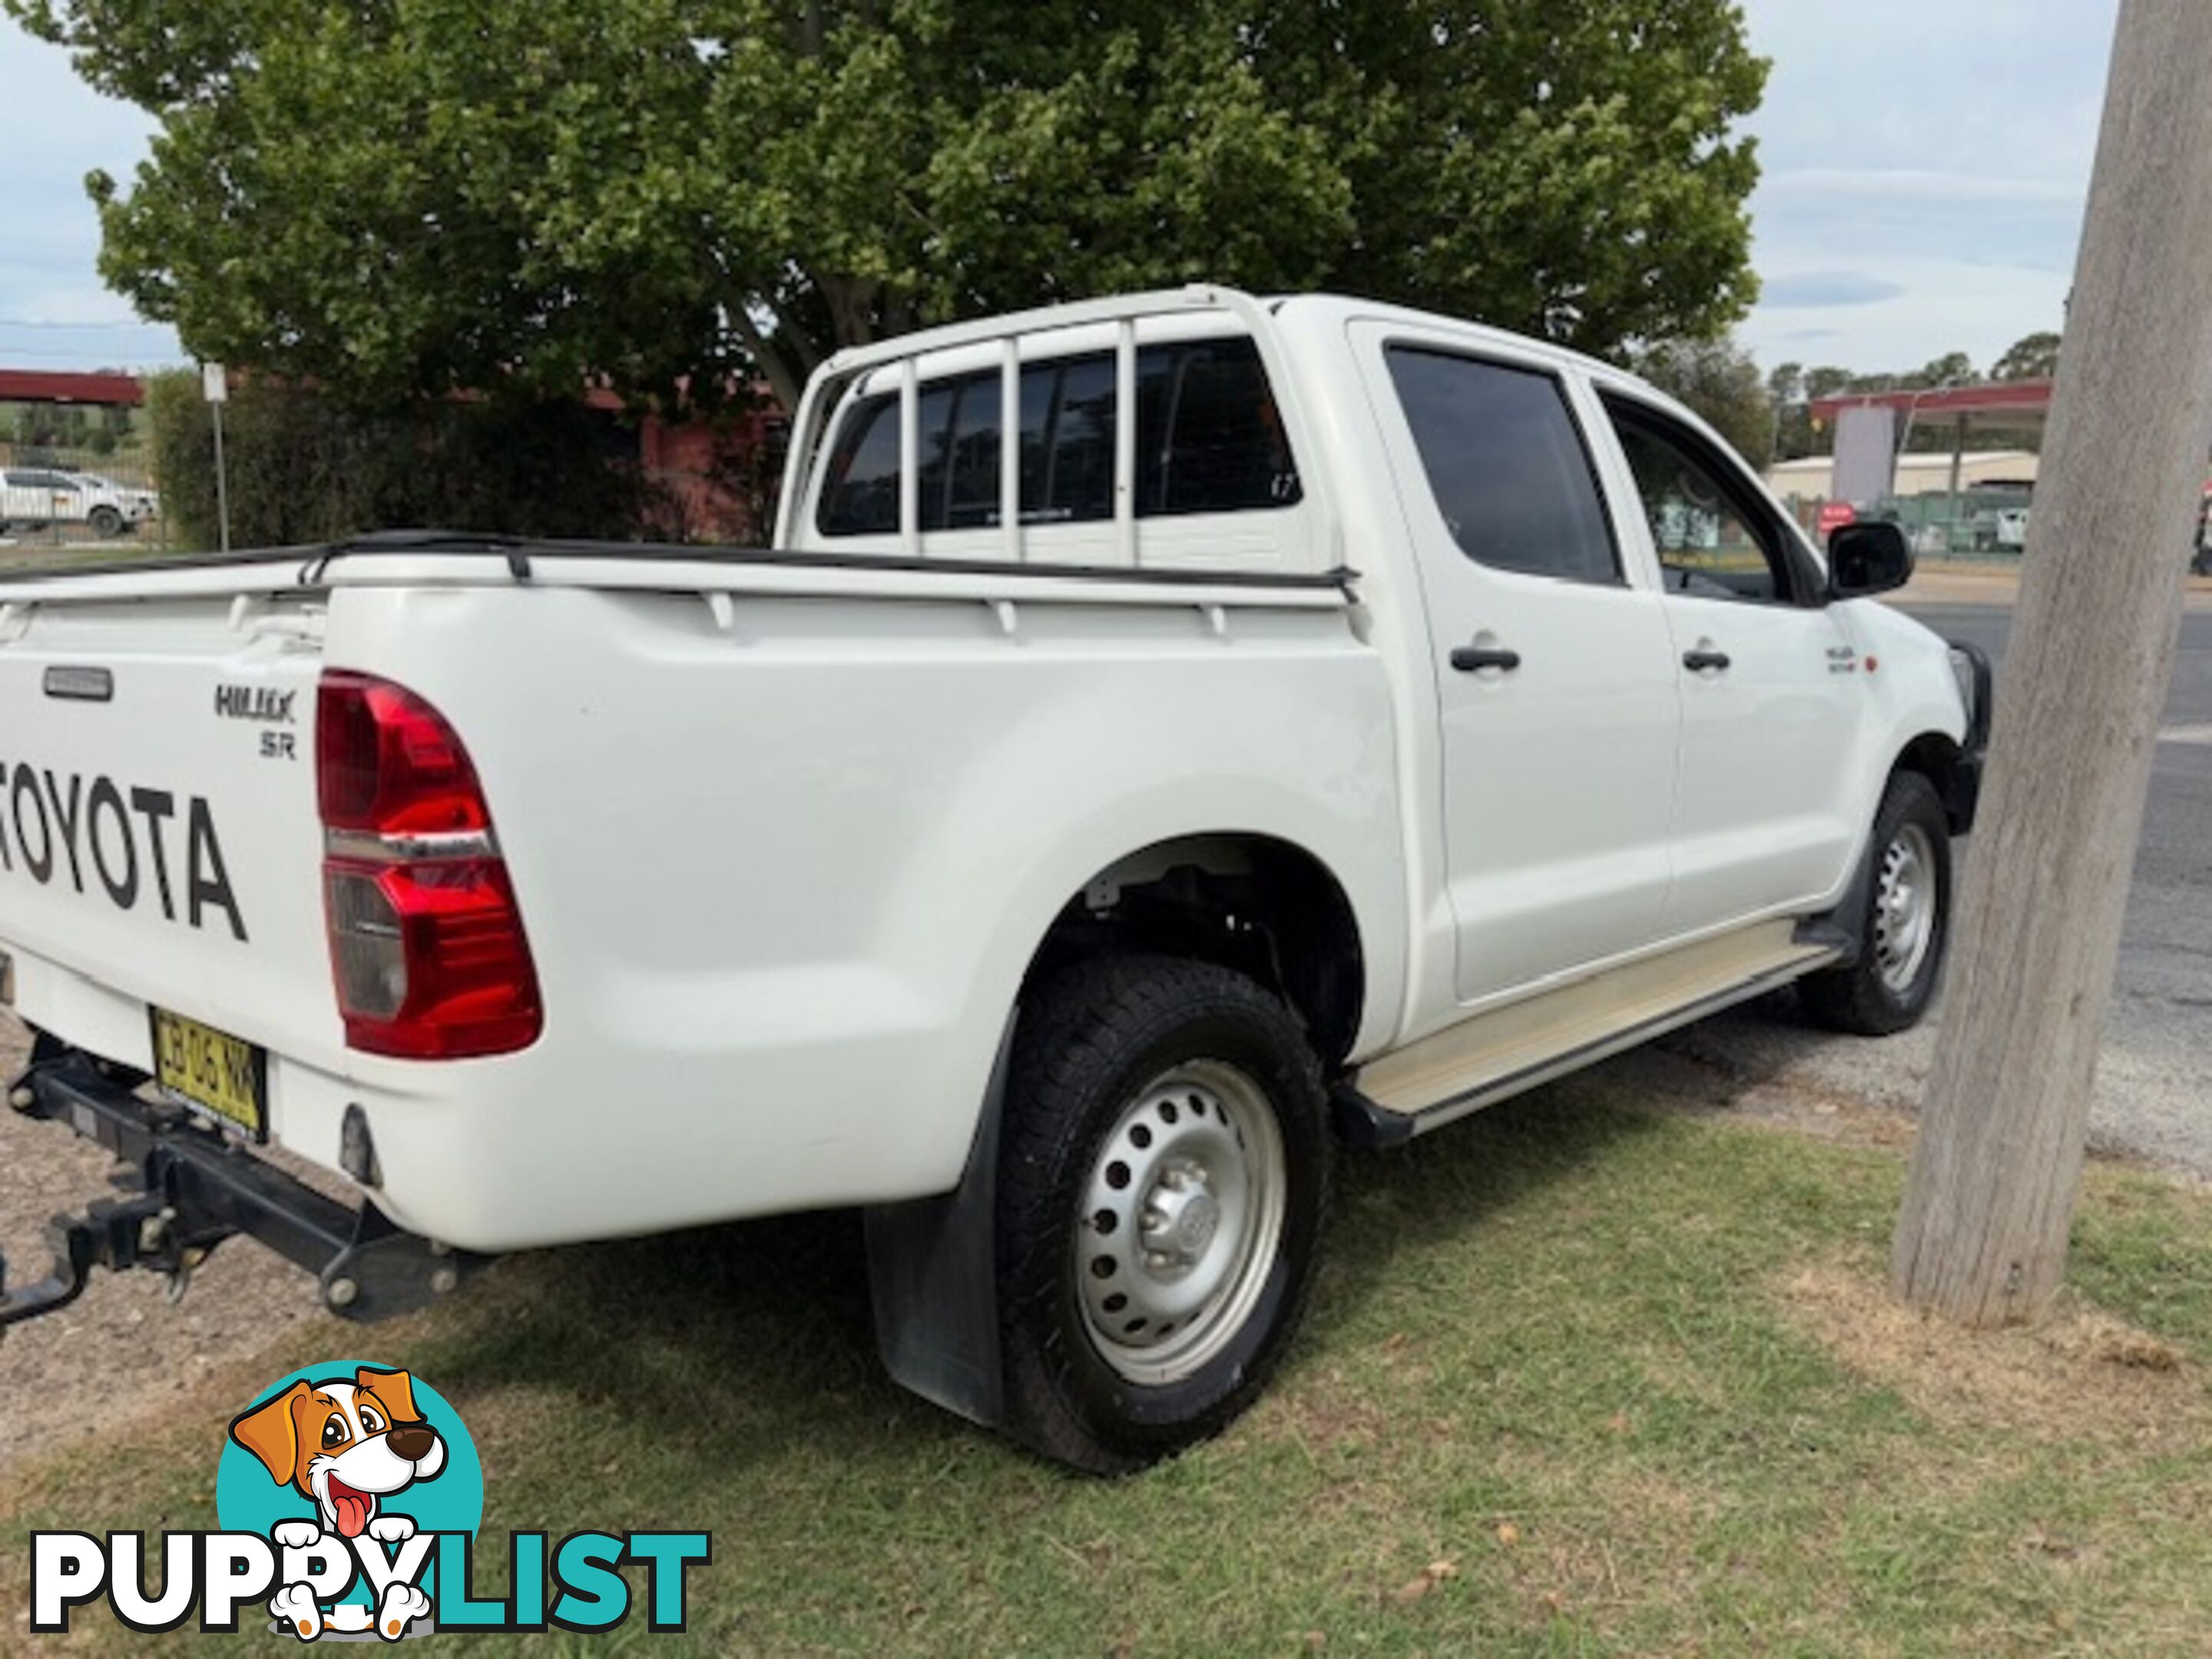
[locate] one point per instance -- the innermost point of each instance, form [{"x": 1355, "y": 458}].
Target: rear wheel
[
  {"x": 1163, "y": 1175},
  {"x": 1906, "y": 925}
]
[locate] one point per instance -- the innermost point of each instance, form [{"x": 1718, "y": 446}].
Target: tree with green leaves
[
  {"x": 1952, "y": 369},
  {"x": 1828, "y": 381},
  {"x": 400, "y": 197},
  {"x": 1793, "y": 415},
  {"x": 2031, "y": 357},
  {"x": 1719, "y": 381}
]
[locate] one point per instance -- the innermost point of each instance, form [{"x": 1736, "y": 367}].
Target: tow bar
[{"x": 188, "y": 1188}]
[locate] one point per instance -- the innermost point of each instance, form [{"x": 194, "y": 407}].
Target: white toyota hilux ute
[{"x": 1171, "y": 736}]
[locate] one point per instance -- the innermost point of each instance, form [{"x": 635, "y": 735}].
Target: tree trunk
[
  {"x": 1983, "y": 1233},
  {"x": 784, "y": 381}
]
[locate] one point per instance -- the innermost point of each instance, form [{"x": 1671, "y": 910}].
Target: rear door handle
[
  {"x": 1472, "y": 658},
  {"x": 1698, "y": 661}
]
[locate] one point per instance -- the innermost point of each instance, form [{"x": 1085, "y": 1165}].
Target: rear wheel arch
[{"x": 1260, "y": 905}]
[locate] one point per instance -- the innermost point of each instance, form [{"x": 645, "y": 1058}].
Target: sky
[
  {"x": 55, "y": 312},
  {"x": 1924, "y": 166}
]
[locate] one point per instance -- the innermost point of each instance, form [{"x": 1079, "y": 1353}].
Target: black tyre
[
  {"x": 1163, "y": 1176},
  {"x": 1906, "y": 925},
  {"x": 106, "y": 523}
]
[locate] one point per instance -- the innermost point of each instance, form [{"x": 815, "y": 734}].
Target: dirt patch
[
  {"x": 1699, "y": 1073},
  {"x": 1324, "y": 1415},
  {"x": 2080, "y": 1373},
  {"x": 122, "y": 1349}
]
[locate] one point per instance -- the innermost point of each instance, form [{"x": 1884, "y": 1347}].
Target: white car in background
[
  {"x": 134, "y": 504},
  {"x": 2001, "y": 529},
  {"x": 34, "y": 497}
]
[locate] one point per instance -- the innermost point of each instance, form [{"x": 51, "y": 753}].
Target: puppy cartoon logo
[
  {"x": 347, "y": 1444},
  {"x": 349, "y": 1496}
]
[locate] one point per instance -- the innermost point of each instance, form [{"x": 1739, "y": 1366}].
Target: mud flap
[
  {"x": 933, "y": 1280},
  {"x": 1843, "y": 929}
]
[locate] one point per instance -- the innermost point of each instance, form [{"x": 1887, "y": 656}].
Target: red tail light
[{"x": 427, "y": 944}]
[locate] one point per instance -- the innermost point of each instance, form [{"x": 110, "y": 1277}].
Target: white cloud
[
  {"x": 1825, "y": 289},
  {"x": 1938, "y": 306},
  {"x": 1918, "y": 184}
]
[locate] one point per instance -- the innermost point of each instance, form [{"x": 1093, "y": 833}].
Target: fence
[
  {"x": 1975, "y": 524},
  {"x": 58, "y": 495}
]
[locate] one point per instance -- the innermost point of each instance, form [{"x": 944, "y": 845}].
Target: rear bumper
[
  {"x": 189, "y": 1188},
  {"x": 646, "y": 1108}
]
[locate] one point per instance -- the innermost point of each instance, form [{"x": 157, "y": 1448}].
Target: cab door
[
  {"x": 1773, "y": 693},
  {"x": 1554, "y": 674}
]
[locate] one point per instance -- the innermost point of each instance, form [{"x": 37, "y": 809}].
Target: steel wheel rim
[
  {"x": 1180, "y": 1218},
  {"x": 1905, "y": 908}
]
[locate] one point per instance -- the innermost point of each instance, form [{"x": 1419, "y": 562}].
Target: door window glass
[
  {"x": 1506, "y": 466},
  {"x": 1712, "y": 543}
]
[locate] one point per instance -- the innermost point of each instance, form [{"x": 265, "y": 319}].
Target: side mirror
[{"x": 1872, "y": 557}]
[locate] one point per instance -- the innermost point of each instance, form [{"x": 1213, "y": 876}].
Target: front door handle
[
  {"x": 1698, "y": 661},
  {"x": 1472, "y": 658}
]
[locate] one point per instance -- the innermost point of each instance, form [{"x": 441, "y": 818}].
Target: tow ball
[{"x": 138, "y": 1231}]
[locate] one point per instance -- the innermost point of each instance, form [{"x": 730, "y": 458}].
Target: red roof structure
[
  {"x": 47, "y": 385},
  {"x": 2008, "y": 405}
]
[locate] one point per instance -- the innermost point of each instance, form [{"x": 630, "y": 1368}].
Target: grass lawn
[{"x": 1579, "y": 1379}]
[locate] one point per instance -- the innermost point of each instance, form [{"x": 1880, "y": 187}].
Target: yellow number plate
[{"x": 224, "y": 1076}]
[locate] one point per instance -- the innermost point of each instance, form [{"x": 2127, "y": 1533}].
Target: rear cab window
[{"x": 1209, "y": 439}]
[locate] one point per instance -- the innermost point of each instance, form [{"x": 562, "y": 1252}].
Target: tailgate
[{"x": 158, "y": 826}]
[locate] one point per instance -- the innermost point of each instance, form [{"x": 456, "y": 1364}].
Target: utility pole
[
  {"x": 215, "y": 387},
  {"x": 1982, "y": 1237}
]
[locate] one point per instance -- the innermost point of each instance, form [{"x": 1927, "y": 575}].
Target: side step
[{"x": 1492, "y": 1056}]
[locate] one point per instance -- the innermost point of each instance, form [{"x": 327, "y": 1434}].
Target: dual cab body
[{"x": 1467, "y": 696}]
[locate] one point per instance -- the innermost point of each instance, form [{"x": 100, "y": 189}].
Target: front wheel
[
  {"x": 1906, "y": 925},
  {"x": 1164, "y": 1177},
  {"x": 105, "y": 522}
]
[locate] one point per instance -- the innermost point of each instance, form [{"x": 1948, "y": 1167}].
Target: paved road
[
  {"x": 2154, "y": 1083},
  {"x": 2159, "y": 1030}
]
